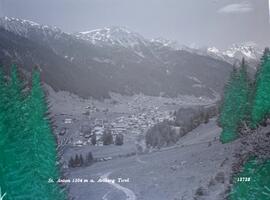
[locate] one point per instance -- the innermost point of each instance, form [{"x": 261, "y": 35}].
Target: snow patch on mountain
[
  {"x": 213, "y": 50},
  {"x": 123, "y": 39},
  {"x": 23, "y": 27},
  {"x": 249, "y": 51},
  {"x": 166, "y": 43},
  {"x": 242, "y": 50},
  {"x": 113, "y": 36}
]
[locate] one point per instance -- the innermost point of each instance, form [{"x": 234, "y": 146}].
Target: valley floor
[
  {"x": 197, "y": 166},
  {"x": 177, "y": 172}
]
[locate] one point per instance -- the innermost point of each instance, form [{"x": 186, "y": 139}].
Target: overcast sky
[{"x": 200, "y": 22}]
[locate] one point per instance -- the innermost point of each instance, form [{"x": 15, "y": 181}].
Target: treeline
[
  {"x": 246, "y": 102},
  {"x": 80, "y": 161},
  {"x": 246, "y": 106},
  {"x": 28, "y": 157},
  {"x": 107, "y": 138},
  {"x": 186, "y": 119}
]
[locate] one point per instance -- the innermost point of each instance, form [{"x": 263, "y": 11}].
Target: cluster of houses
[
  {"x": 136, "y": 122},
  {"x": 96, "y": 129}
]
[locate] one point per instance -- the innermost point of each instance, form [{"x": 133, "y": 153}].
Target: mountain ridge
[{"x": 96, "y": 69}]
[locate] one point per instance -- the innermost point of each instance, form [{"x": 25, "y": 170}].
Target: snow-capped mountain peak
[
  {"x": 243, "y": 50},
  {"x": 24, "y": 21},
  {"x": 23, "y": 27},
  {"x": 112, "y": 36},
  {"x": 122, "y": 37},
  {"x": 250, "y": 51}
]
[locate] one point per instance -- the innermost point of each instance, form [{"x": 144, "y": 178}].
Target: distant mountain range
[
  {"x": 248, "y": 51},
  {"x": 233, "y": 55},
  {"x": 114, "y": 59}
]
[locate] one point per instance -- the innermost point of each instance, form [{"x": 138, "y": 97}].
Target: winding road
[
  {"x": 140, "y": 161},
  {"x": 129, "y": 194}
]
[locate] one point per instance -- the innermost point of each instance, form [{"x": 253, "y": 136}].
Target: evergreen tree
[
  {"x": 71, "y": 162},
  {"x": 261, "y": 103},
  {"x": 42, "y": 157},
  {"x": 119, "y": 139},
  {"x": 235, "y": 106},
  {"x": 107, "y": 137},
  {"x": 245, "y": 94},
  {"x": 89, "y": 158},
  {"x": 77, "y": 161},
  {"x": 3, "y": 128},
  {"x": 3, "y": 102},
  {"x": 94, "y": 139},
  {"x": 27, "y": 145},
  {"x": 81, "y": 160},
  {"x": 13, "y": 171},
  {"x": 257, "y": 187}
]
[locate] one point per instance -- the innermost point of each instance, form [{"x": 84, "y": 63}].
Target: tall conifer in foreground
[
  {"x": 261, "y": 103},
  {"x": 27, "y": 145},
  {"x": 43, "y": 145},
  {"x": 256, "y": 169},
  {"x": 3, "y": 128},
  {"x": 235, "y": 106},
  {"x": 13, "y": 177}
]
